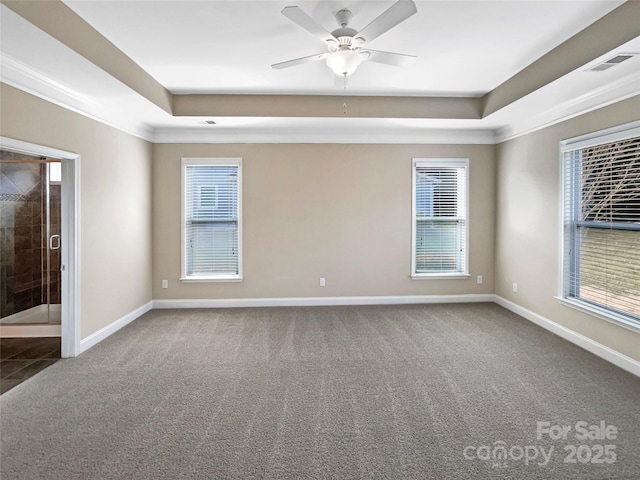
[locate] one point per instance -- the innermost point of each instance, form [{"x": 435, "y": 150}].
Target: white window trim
[
  {"x": 608, "y": 135},
  {"x": 599, "y": 312},
  {"x": 439, "y": 162},
  {"x": 234, "y": 162}
]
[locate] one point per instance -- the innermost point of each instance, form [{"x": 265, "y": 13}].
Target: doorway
[
  {"x": 30, "y": 229},
  {"x": 38, "y": 276}
]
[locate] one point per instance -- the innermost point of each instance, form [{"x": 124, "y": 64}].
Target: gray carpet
[{"x": 388, "y": 392}]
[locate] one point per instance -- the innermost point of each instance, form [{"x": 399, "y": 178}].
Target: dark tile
[
  {"x": 5, "y": 256},
  {"x": 30, "y": 348},
  {"x": 36, "y": 259},
  {"x": 7, "y": 271},
  {"x": 54, "y": 209},
  {"x": 9, "y": 367},
  {"x": 11, "y": 351},
  {"x": 37, "y": 212},
  {"x": 36, "y": 288},
  {"x": 12, "y": 347},
  {"x": 8, "y": 247},
  {"x": 35, "y": 194},
  {"x": 30, "y": 370},
  {"x": 22, "y": 238},
  {"x": 54, "y": 293},
  {"x": 55, "y": 259},
  {"x": 6, "y": 385},
  {"x": 8, "y": 214},
  {"x": 21, "y": 301},
  {"x": 40, "y": 352},
  {"x": 22, "y": 278},
  {"x": 8, "y": 305},
  {"x": 36, "y": 237},
  {"x": 24, "y": 287},
  {"x": 23, "y": 265},
  {"x": 50, "y": 342},
  {"x": 23, "y": 214}
]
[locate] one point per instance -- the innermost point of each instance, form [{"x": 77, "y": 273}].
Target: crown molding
[
  {"x": 351, "y": 135},
  {"x": 618, "y": 91},
  {"x": 60, "y": 22},
  {"x": 600, "y": 38},
  {"x": 22, "y": 77}
]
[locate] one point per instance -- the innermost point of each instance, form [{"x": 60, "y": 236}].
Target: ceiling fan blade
[
  {"x": 297, "y": 15},
  {"x": 397, "y": 13},
  {"x": 300, "y": 61},
  {"x": 397, "y": 59}
]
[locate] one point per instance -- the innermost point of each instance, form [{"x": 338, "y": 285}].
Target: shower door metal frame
[{"x": 70, "y": 277}]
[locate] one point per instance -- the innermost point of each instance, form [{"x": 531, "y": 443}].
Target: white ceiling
[{"x": 464, "y": 48}]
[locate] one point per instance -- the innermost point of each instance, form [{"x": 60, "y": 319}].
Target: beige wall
[
  {"x": 528, "y": 224},
  {"x": 115, "y": 202},
  {"x": 337, "y": 211}
]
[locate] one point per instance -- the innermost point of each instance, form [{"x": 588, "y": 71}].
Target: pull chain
[{"x": 344, "y": 96}]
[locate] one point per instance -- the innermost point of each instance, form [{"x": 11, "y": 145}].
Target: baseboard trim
[
  {"x": 97, "y": 337},
  {"x": 319, "y": 301},
  {"x": 602, "y": 351}
]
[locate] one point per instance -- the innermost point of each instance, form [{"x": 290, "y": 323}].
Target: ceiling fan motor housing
[
  {"x": 345, "y": 34},
  {"x": 344, "y": 17}
]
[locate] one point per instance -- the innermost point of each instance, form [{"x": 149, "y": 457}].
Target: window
[
  {"x": 439, "y": 245},
  {"x": 601, "y": 223},
  {"x": 211, "y": 236},
  {"x": 55, "y": 172}
]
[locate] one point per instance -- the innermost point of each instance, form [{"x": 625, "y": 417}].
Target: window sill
[
  {"x": 219, "y": 278},
  {"x": 439, "y": 276},
  {"x": 601, "y": 313}
]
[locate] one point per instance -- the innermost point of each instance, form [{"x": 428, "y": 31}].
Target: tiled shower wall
[
  {"x": 55, "y": 259},
  {"x": 23, "y": 278}
]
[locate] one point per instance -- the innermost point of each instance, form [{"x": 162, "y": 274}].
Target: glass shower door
[
  {"x": 30, "y": 239},
  {"x": 54, "y": 254}
]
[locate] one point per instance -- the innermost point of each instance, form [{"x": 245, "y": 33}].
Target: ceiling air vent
[
  {"x": 209, "y": 122},
  {"x": 612, "y": 62}
]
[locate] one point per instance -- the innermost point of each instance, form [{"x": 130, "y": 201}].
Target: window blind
[
  {"x": 211, "y": 220},
  {"x": 602, "y": 225},
  {"x": 440, "y": 227}
]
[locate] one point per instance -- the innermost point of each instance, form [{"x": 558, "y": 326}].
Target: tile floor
[{"x": 22, "y": 358}]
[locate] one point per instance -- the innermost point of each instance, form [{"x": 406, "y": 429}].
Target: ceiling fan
[{"x": 345, "y": 44}]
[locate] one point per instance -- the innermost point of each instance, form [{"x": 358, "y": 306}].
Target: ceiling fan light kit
[
  {"x": 345, "y": 43},
  {"x": 344, "y": 61}
]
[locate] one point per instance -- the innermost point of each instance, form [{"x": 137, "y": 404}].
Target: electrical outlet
[
  {"x": 515, "y": 287},
  {"x": 322, "y": 282},
  {"x": 165, "y": 283},
  {"x": 479, "y": 279}
]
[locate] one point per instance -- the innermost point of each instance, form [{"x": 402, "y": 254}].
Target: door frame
[{"x": 70, "y": 299}]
